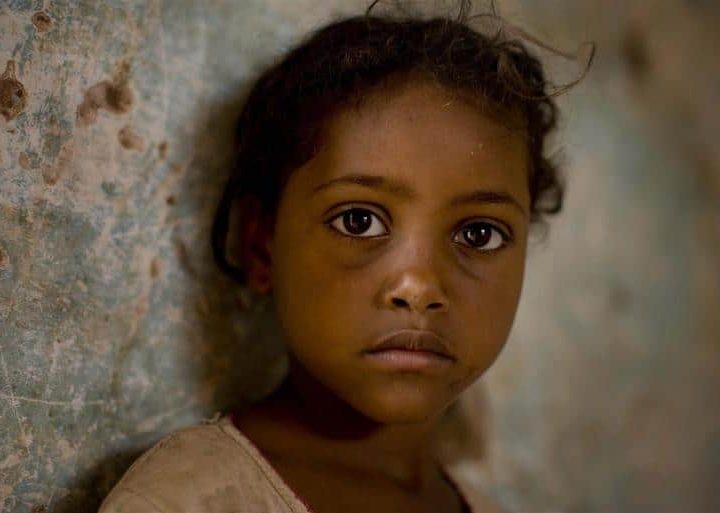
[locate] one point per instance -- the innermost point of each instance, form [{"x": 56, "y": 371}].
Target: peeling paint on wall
[
  {"x": 131, "y": 140},
  {"x": 41, "y": 21},
  {"x": 112, "y": 95},
  {"x": 13, "y": 97}
]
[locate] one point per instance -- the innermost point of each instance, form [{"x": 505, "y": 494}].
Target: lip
[
  {"x": 413, "y": 340},
  {"x": 413, "y": 350}
]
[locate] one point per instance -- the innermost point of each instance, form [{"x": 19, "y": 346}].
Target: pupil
[
  {"x": 357, "y": 223},
  {"x": 478, "y": 240}
]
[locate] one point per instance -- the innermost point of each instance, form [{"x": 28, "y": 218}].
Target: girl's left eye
[
  {"x": 483, "y": 236},
  {"x": 478, "y": 235}
]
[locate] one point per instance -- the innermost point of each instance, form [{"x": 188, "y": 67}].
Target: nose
[
  {"x": 416, "y": 288},
  {"x": 416, "y": 298}
]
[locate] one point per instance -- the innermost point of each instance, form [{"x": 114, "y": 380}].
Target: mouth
[{"x": 410, "y": 349}]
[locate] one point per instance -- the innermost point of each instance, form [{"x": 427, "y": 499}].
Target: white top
[{"x": 215, "y": 468}]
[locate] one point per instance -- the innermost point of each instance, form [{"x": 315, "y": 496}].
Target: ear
[{"x": 250, "y": 241}]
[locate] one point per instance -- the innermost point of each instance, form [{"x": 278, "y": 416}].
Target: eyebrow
[{"x": 406, "y": 192}]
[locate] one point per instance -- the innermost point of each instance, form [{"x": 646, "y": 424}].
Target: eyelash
[{"x": 506, "y": 239}]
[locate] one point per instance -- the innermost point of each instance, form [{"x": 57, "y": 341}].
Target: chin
[{"x": 408, "y": 404}]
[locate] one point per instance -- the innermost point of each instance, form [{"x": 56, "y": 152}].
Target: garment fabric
[{"x": 215, "y": 468}]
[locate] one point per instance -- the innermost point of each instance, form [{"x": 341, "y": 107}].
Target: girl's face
[{"x": 435, "y": 240}]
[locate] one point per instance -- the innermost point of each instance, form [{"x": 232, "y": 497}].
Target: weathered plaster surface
[{"x": 115, "y": 328}]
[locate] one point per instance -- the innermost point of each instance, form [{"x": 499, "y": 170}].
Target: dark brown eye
[
  {"x": 482, "y": 236},
  {"x": 356, "y": 221}
]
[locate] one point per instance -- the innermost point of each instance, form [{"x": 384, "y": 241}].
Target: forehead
[{"x": 423, "y": 135}]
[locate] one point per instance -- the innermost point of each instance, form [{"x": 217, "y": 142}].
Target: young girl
[{"x": 388, "y": 172}]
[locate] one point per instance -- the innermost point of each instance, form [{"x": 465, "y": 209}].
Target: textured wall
[{"x": 115, "y": 124}]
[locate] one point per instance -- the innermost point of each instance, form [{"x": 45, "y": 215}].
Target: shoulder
[{"x": 203, "y": 468}]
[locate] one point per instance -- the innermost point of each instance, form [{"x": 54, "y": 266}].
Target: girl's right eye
[{"x": 354, "y": 221}]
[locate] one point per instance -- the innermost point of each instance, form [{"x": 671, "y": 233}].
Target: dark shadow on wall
[
  {"x": 242, "y": 337},
  {"x": 89, "y": 490},
  {"x": 238, "y": 331}
]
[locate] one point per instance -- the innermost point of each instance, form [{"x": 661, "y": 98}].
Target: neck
[{"x": 334, "y": 433}]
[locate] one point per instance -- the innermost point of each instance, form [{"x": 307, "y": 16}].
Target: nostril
[
  {"x": 435, "y": 306},
  {"x": 399, "y": 302}
]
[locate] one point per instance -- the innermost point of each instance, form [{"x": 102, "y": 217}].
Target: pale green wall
[{"x": 115, "y": 327}]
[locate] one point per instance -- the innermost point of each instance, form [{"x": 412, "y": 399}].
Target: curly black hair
[{"x": 342, "y": 63}]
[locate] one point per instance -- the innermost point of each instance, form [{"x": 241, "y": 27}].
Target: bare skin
[
  {"x": 346, "y": 434},
  {"x": 299, "y": 448}
]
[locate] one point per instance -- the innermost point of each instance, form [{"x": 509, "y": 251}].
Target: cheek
[
  {"x": 314, "y": 293},
  {"x": 489, "y": 312}
]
